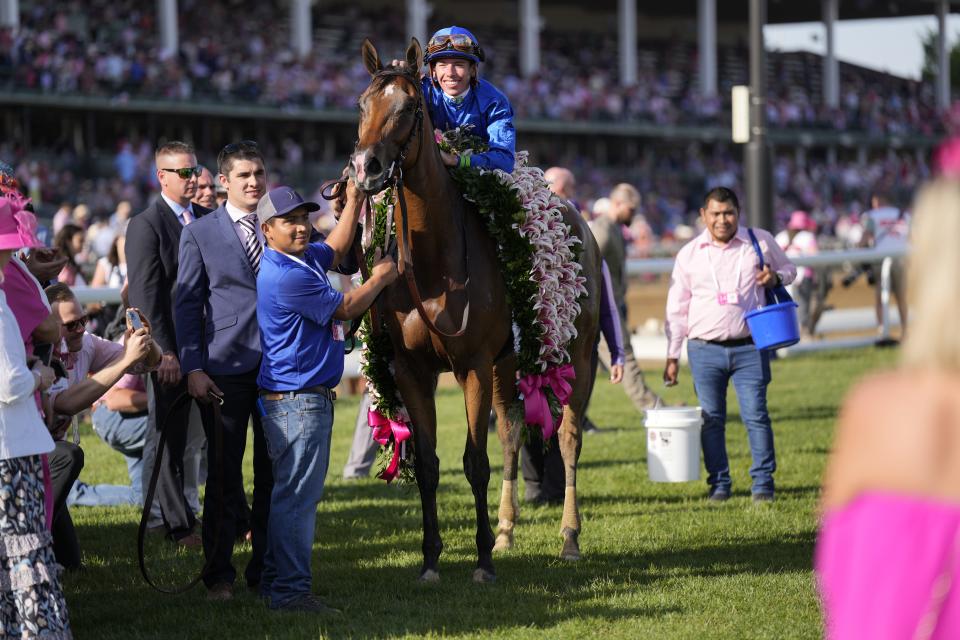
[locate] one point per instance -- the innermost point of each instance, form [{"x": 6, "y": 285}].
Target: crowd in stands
[
  {"x": 666, "y": 178},
  {"x": 59, "y": 49}
]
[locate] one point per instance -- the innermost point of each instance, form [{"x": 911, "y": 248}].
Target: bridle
[{"x": 394, "y": 180}]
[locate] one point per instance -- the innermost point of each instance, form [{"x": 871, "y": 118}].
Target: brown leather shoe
[
  {"x": 190, "y": 541},
  {"x": 220, "y": 592}
]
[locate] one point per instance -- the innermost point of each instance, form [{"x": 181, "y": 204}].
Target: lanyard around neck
[
  {"x": 713, "y": 269},
  {"x": 301, "y": 262}
]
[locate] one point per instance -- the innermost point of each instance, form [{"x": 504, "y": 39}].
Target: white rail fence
[
  {"x": 833, "y": 321},
  {"x": 654, "y": 348}
]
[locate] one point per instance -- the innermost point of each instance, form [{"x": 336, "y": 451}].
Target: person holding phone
[
  {"x": 94, "y": 365},
  {"x": 715, "y": 282},
  {"x": 119, "y": 417}
]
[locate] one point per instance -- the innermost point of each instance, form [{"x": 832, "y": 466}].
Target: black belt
[
  {"x": 736, "y": 342},
  {"x": 326, "y": 392}
]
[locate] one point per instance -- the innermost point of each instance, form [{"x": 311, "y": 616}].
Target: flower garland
[
  {"x": 538, "y": 257},
  {"x": 387, "y": 416}
]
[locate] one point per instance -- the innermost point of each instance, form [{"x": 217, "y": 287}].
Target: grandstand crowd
[
  {"x": 835, "y": 194},
  {"x": 59, "y": 49}
]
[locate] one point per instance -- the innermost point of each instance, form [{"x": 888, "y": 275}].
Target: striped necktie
[{"x": 251, "y": 245}]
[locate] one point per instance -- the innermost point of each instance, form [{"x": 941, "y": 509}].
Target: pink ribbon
[
  {"x": 557, "y": 378},
  {"x": 536, "y": 408},
  {"x": 383, "y": 430}
]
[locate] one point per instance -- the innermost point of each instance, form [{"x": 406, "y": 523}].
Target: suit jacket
[
  {"x": 216, "y": 301},
  {"x": 153, "y": 241}
]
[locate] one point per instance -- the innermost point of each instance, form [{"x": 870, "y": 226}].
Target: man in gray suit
[{"x": 219, "y": 342}]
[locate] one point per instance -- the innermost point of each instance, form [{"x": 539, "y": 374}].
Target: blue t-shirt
[
  {"x": 302, "y": 342},
  {"x": 490, "y": 113}
]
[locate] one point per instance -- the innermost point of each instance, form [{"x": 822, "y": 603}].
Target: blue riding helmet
[{"x": 453, "y": 42}]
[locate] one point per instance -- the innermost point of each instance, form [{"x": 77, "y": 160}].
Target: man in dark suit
[
  {"x": 153, "y": 243},
  {"x": 219, "y": 343}
]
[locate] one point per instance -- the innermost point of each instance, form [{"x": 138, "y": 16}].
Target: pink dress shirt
[
  {"x": 95, "y": 354},
  {"x": 693, "y": 306}
]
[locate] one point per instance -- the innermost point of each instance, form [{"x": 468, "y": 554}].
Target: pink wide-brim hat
[
  {"x": 801, "y": 221},
  {"x": 18, "y": 227}
]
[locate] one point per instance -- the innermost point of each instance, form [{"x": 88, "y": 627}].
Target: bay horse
[{"x": 451, "y": 263}]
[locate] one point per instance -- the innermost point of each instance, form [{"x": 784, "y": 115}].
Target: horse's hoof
[
  {"x": 504, "y": 542},
  {"x": 482, "y": 576},
  {"x": 429, "y": 575},
  {"x": 571, "y": 547}
]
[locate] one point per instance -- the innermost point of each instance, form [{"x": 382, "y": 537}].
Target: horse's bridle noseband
[{"x": 394, "y": 180}]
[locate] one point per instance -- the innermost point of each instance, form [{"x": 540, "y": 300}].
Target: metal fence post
[{"x": 886, "y": 277}]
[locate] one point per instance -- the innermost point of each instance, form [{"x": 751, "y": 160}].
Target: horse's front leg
[
  {"x": 477, "y": 387},
  {"x": 504, "y": 393},
  {"x": 417, "y": 388}
]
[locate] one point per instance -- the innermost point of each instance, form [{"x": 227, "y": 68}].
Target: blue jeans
[
  {"x": 125, "y": 434},
  {"x": 713, "y": 366},
  {"x": 297, "y": 430}
]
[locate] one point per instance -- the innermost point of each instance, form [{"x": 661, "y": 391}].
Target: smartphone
[
  {"x": 134, "y": 319},
  {"x": 58, "y": 369}
]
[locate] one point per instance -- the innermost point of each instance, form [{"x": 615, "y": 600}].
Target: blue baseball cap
[
  {"x": 280, "y": 202},
  {"x": 453, "y": 42}
]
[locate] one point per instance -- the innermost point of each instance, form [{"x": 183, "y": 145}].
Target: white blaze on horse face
[
  {"x": 359, "y": 164},
  {"x": 389, "y": 90}
]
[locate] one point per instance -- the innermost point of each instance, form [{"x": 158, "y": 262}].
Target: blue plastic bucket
[{"x": 774, "y": 326}]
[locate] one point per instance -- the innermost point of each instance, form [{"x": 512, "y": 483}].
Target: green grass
[{"x": 659, "y": 561}]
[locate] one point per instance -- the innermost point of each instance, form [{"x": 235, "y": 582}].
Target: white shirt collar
[
  {"x": 177, "y": 208},
  {"x": 458, "y": 100},
  {"x": 236, "y": 213}
]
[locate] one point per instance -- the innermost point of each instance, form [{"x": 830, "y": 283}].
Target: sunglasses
[
  {"x": 76, "y": 325},
  {"x": 456, "y": 42},
  {"x": 236, "y": 147},
  {"x": 186, "y": 173}
]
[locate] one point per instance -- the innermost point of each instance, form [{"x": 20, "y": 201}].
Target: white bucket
[{"x": 673, "y": 444}]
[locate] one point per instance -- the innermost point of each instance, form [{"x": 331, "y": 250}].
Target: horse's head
[{"x": 391, "y": 117}]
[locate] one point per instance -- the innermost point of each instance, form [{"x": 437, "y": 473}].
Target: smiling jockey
[{"x": 456, "y": 96}]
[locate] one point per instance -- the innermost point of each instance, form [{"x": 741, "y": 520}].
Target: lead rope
[
  {"x": 406, "y": 269},
  {"x": 152, "y": 487}
]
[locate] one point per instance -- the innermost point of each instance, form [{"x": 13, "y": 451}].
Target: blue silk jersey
[{"x": 490, "y": 113}]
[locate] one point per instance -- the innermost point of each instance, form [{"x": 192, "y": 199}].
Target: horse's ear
[
  {"x": 371, "y": 59},
  {"x": 415, "y": 55}
]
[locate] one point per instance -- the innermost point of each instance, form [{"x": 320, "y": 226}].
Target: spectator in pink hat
[
  {"x": 800, "y": 239},
  {"x": 31, "y": 598}
]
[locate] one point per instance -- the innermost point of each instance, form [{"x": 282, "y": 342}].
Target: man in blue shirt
[
  {"x": 302, "y": 338},
  {"x": 457, "y": 96}
]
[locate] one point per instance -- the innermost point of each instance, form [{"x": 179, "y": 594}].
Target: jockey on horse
[{"x": 457, "y": 96}]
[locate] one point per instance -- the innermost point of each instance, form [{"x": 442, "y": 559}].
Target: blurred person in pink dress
[
  {"x": 800, "y": 239},
  {"x": 888, "y": 554}
]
